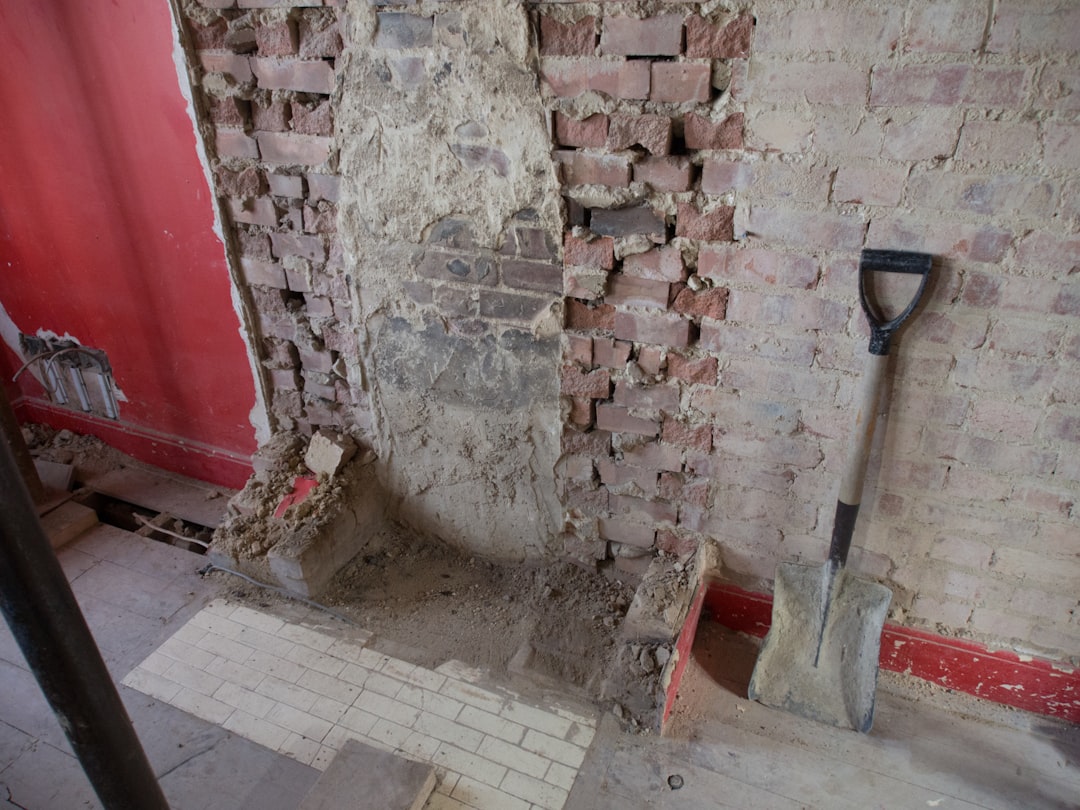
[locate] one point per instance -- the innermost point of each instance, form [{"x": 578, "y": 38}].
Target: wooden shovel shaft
[{"x": 851, "y": 485}]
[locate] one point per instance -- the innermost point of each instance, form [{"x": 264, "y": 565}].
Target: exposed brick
[
  {"x": 570, "y": 78},
  {"x": 580, "y": 169},
  {"x": 1059, "y": 88},
  {"x": 730, "y": 40},
  {"x": 617, "y": 419},
  {"x": 659, "y": 35},
  {"x": 676, "y": 543},
  {"x": 234, "y": 143},
  {"x": 808, "y": 230},
  {"x": 660, "y": 264},
  {"x": 247, "y": 182},
  {"x": 702, "y": 132},
  {"x": 530, "y": 243},
  {"x": 665, "y": 173},
  {"x": 320, "y": 36},
  {"x": 527, "y": 275},
  {"x": 954, "y": 26},
  {"x": 836, "y": 83},
  {"x": 654, "y": 456},
  {"x": 579, "y": 350},
  {"x": 650, "y": 131},
  {"x": 272, "y": 116},
  {"x": 595, "y": 384},
  {"x": 613, "y": 474},
  {"x": 254, "y": 211},
  {"x": 977, "y": 243},
  {"x": 277, "y": 37},
  {"x": 256, "y": 245},
  {"x": 458, "y": 266},
  {"x": 477, "y": 158},
  {"x": 268, "y": 274},
  {"x": 323, "y": 187},
  {"x": 708, "y": 303},
  {"x": 996, "y": 195},
  {"x": 923, "y": 135},
  {"x": 285, "y": 185},
  {"x": 1011, "y": 142},
  {"x": 702, "y": 370},
  {"x": 650, "y": 359},
  {"x": 1060, "y": 254},
  {"x": 576, "y": 38},
  {"x": 582, "y": 411},
  {"x": 228, "y": 64},
  {"x": 791, "y": 311},
  {"x": 304, "y": 247},
  {"x": 656, "y": 511},
  {"x": 304, "y": 150},
  {"x": 209, "y": 35},
  {"x": 591, "y": 131},
  {"x": 948, "y": 85},
  {"x": 399, "y": 30},
  {"x": 599, "y": 252},
  {"x": 630, "y": 532},
  {"x": 664, "y": 330},
  {"x": 306, "y": 76},
  {"x": 711, "y": 226},
  {"x": 779, "y": 131},
  {"x": 229, "y": 111},
  {"x": 581, "y": 316},
  {"x": 320, "y": 219},
  {"x": 1061, "y": 145},
  {"x": 641, "y": 219},
  {"x": 313, "y": 119},
  {"x": 680, "y": 81},
  {"x": 869, "y": 185},
  {"x": 725, "y": 264},
  {"x": 860, "y": 29},
  {"x": 511, "y": 306},
  {"x": 1029, "y": 28},
  {"x": 611, "y": 353},
  {"x": 630, "y": 291},
  {"x": 649, "y": 398},
  {"x": 692, "y": 437}
]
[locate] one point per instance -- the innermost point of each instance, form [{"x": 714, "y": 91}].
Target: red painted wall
[{"x": 106, "y": 223}]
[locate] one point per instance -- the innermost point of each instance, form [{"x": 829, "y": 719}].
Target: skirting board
[
  {"x": 172, "y": 453},
  {"x": 1022, "y": 681}
]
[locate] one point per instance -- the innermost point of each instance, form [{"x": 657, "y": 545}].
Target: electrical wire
[{"x": 287, "y": 593}]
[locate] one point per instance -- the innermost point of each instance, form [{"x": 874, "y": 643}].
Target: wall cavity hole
[{"x": 149, "y": 523}]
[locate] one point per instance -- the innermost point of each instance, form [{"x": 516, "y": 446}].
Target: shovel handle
[
  {"x": 869, "y": 394},
  {"x": 890, "y": 261}
]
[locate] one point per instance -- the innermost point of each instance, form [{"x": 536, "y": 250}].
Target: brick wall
[
  {"x": 720, "y": 170},
  {"x": 722, "y": 173},
  {"x": 266, "y": 72}
]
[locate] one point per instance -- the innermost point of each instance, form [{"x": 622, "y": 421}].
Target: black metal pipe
[{"x": 45, "y": 619}]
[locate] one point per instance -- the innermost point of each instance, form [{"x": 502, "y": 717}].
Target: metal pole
[
  {"x": 44, "y": 617},
  {"x": 12, "y": 434}
]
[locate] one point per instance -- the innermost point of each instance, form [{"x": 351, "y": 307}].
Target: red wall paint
[{"x": 106, "y": 219}]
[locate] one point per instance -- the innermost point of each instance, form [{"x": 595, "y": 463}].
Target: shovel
[{"x": 820, "y": 656}]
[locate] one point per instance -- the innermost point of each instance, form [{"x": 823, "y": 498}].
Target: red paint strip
[
  {"x": 1032, "y": 684},
  {"x": 301, "y": 488},
  {"x": 682, "y": 651},
  {"x": 173, "y": 453}
]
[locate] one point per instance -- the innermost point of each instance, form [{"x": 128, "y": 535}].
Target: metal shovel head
[{"x": 820, "y": 657}]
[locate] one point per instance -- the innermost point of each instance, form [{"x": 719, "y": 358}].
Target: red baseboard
[
  {"x": 683, "y": 646},
  {"x": 172, "y": 453},
  {"x": 1028, "y": 683}
]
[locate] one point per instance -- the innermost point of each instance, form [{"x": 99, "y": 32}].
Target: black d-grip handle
[{"x": 890, "y": 261}]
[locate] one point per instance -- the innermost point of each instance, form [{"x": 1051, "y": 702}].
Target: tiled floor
[{"x": 303, "y": 692}]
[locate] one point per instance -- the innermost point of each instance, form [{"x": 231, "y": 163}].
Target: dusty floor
[{"x": 928, "y": 748}]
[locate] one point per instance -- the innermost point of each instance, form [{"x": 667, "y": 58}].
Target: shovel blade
[{"x": 835, "y": 683}]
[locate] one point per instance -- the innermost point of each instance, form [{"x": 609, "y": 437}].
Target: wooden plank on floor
[
  {"x": 66, "y": 522},
  {"x": 187, "y": 499}
]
